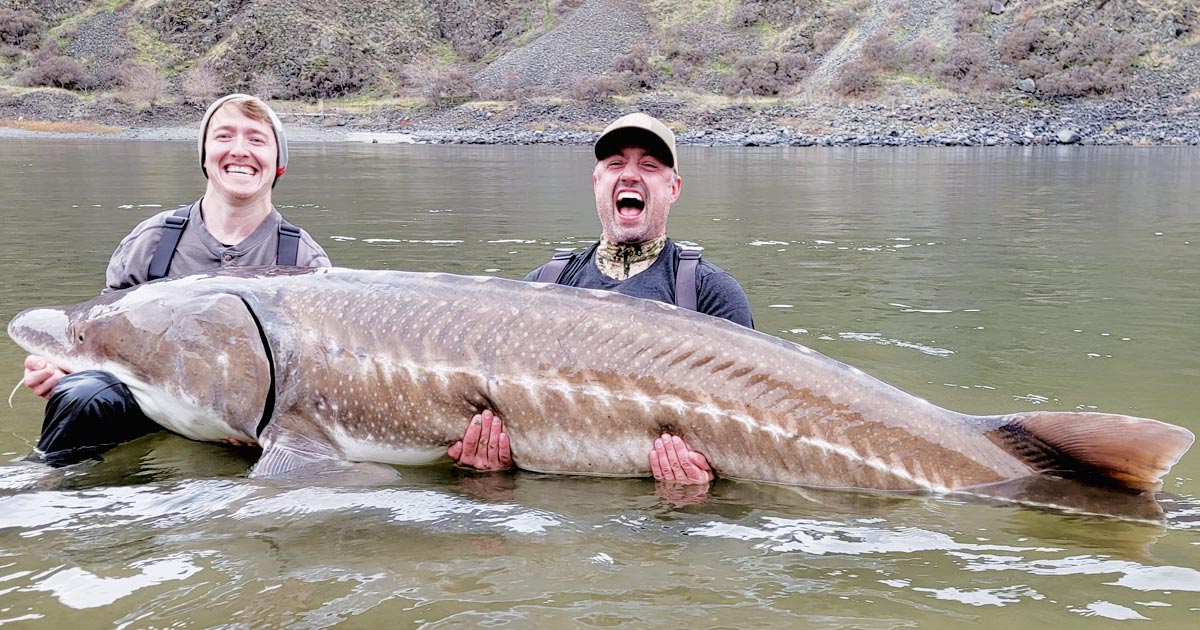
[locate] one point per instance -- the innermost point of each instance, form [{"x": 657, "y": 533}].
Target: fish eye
[{"x": 81, "y": 336}]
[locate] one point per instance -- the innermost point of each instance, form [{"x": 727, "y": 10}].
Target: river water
[{"x": 985, "y": 280}]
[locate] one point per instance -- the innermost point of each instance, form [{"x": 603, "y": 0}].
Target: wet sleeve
[{"x": 721, "y": 296}]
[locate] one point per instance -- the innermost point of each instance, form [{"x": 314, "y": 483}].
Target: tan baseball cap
[{"x": 640, "y": 130}]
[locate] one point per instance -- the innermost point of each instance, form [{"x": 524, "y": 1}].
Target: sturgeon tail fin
[{"x": 1131, "y": 452}]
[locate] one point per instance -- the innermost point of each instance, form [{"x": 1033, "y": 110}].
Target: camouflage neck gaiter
[{"x": 622, "y": 261}]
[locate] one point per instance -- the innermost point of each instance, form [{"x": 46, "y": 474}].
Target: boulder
[{"x": 1067, "y": 136}]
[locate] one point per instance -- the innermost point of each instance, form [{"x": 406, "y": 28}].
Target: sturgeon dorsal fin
[{"x": 1132, "y": 452}]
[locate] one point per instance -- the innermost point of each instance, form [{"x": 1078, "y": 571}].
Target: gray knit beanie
[{"x": 280, "y": 139}]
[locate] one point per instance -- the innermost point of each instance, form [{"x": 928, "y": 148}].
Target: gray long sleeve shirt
[{"x": 199, "y": 250}]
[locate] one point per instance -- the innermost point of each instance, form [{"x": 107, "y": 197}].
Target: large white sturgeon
[{"x": 345, "y": 365}]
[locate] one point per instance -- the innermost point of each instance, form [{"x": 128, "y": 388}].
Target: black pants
[{"x": 89, "y": 413}]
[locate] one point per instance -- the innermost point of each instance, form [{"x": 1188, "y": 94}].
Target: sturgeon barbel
[{"x": 337, "y": 365}]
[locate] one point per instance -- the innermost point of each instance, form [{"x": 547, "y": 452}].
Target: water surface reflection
[{"x": 983, "y": 280}]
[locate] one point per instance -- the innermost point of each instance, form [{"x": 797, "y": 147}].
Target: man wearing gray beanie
[{"x": 242, "y": 153}]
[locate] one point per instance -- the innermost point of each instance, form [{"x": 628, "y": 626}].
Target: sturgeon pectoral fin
[
  {"x": 1132, "y": 452},
  {"x": 290, "y": 454}
]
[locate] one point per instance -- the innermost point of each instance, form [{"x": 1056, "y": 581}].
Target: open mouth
[
  {"x": 630, "y": 203},
  {"x": 240, "y": 169}
]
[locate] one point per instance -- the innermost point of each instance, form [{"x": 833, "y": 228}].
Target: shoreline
[{"x": 915, "y": 122}]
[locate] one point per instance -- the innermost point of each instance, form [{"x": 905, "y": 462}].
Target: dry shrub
[
  {"x": 1098, "y": 60},
  {"x": 969, "y": 15},
  {"x": 512, "y": 87},
  {"x": 1025, "y": 38},
  {"x": 559, "y": 7},
  {"x": 450, "y": 84},
  {"x": 143, "y": 83},
  {"x": 267, "y": 85},
  {"x": 21, "y": 28},
  {"x": 597, "y": 89},
  {"x": 747, "y": 14},
  {"x": 966, "y": 64},
  {"x": 690, "y": 50},
  {"x": 881, "y": 52},
  {"x": 1094, "y": 60},
  {"x": 328, "y": 76},
  {"x": 475, "y": 28},
  {"x": 836, "y": 26},
  {"x": 634, "y": 69},
  {"x": 776, "y": 12},
  {"x": 765, "y": 75},
  {"x": 855, "y": 79},
  {"x": 200, "y": 85},
  {"x": 920, "y": 57},
  {"x": 406, "y": 76},
  {"x": 54, "y": 71}
]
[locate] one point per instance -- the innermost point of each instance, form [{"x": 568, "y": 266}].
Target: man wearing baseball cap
[
  {"x": 242, "y": 153},
  {"x": 635, "y": 182}
]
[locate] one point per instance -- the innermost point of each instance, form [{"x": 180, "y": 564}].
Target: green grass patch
[
  {"x": 766, "y": 30},
  {"x": 490, "y": 56},
  {"x": 444, "y": 52},
  {"x": 672, "y": 12},
  {"x": 149, "y": 49}
]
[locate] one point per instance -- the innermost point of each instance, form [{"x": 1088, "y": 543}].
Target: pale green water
[{"x": 983, "y": 280}]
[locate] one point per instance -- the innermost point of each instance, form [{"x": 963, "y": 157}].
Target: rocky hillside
[{"x": 152, "y": 60}]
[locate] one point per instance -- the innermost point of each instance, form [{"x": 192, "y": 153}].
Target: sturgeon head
[{"x": 194, "y": 361}]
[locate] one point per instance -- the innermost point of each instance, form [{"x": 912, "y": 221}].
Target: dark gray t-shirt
[
  {"x": 199, "y": 250},
  {"x": 717, "y": 293}
]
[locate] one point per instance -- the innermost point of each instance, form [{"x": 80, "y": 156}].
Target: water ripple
[
  {"x": 826, "y": 537},
  {"x": 78, "y": 588},
  {"x": 879, "y": 339},
  {"x": 1135, "y": 576}
]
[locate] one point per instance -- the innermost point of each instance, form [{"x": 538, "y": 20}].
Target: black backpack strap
[
  {"x": 685, "y": 279},
  {"x": 288, "y": 247},
  {"x": 161, "y": 262},
  {"x": 553, "y": 270}
]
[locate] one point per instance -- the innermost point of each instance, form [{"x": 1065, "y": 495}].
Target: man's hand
[
  {"x": 484, "y": 446},
  {"x": 672, "y": 461},
  {"x": 40, "y": 375}
]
